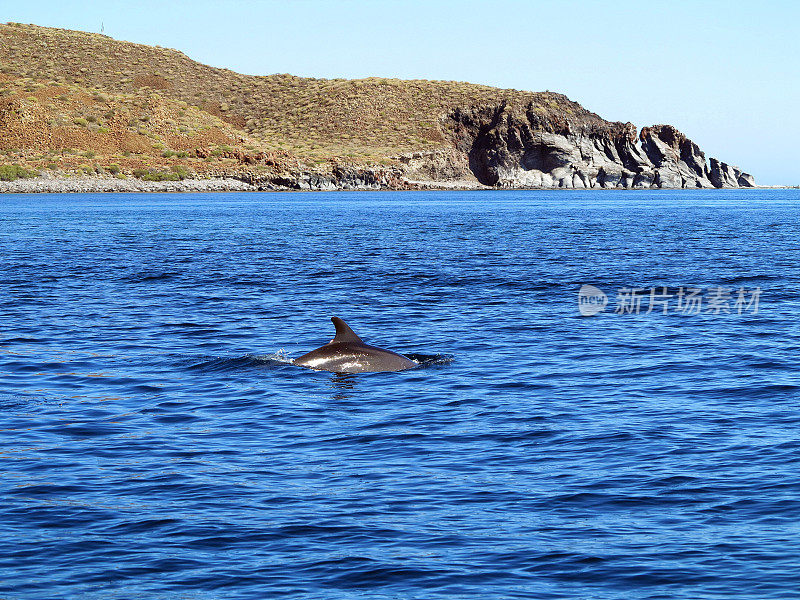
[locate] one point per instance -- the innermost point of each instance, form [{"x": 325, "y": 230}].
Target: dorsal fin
[{"x": 343, "y": 332}]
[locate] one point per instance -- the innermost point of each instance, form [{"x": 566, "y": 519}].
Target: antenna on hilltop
[{"x": 102, "y": 27}]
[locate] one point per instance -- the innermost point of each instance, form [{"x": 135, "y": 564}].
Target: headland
[{"x": 84, "y": 112}]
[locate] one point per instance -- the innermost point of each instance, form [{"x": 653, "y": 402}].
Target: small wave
[
  {"x": 15, "y": 401},
  {"x": 248, "y": 361},
  {"x": 146, "y": 277},
  {"x": 280, "y": 357},
  {"x": 20, "y": 340},
  {"x": 426, "y": 361},
  {"x": 747, "y": 279}
]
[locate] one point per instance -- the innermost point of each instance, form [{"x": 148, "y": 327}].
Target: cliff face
[{"x": 508, "y": 146}]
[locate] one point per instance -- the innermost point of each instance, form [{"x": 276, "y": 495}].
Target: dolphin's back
[
  {"x": 347, "y": 353},
  {"x": 346, "y": 357}
]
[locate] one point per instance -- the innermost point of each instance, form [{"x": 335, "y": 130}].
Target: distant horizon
[{"x": 603, "y": 68}]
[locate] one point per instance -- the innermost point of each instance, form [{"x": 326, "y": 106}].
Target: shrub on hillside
[
  {"x": 220, "y": 150},
  {"x": 146, "y": 175},
  {"x": 14, "y": 172},
  {"x": 181, "y": 171}
]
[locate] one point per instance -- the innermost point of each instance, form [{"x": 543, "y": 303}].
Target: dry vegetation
[
  {"x": 53, "y": 125},
  {"x": 69, "y": 94}
]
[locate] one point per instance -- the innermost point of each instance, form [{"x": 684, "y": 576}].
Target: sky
[{"x": 727, "y": 74}]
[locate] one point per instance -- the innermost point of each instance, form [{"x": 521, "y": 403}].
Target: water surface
[{"x": 155, "y": 442}]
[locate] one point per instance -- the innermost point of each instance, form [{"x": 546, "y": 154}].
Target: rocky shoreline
[
  {"x": 91, "y": 184},
  {"x": 88, "y": 184},
  {"x": 490, "y": 151},
  {"x": 243, "y": 181}
]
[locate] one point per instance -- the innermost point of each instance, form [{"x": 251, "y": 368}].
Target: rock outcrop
[
  {"x": 725, "y": 176},
  {"x": 513, "y": 146}
]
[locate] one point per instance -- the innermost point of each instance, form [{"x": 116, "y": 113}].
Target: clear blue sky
[{"x": 726, "y": 73}]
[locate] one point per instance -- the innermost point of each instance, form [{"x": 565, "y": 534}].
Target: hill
[{"x": 73, "y": 100}]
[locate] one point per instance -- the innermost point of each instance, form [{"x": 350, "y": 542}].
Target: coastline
[
  {"x": 194, "y": 128},
  {"x": 108, "y": 184},
  {"x": 91, "y": 184}
]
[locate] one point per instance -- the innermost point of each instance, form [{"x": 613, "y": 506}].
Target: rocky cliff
[{"x": 506, "y": 146}]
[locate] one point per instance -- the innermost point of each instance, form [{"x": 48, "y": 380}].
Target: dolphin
[{"x": 347, "y": 353}]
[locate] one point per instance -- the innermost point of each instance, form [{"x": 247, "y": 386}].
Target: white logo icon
[{"x": 591, "y": 300}]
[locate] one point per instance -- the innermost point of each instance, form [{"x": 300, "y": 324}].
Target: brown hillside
[{"x": 160, "y": 97}]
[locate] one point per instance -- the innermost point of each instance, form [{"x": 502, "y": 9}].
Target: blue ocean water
[{"x": 155, "y": 441}]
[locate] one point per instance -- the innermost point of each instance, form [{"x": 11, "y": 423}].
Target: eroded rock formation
[{"x": 506, "y": 146}]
